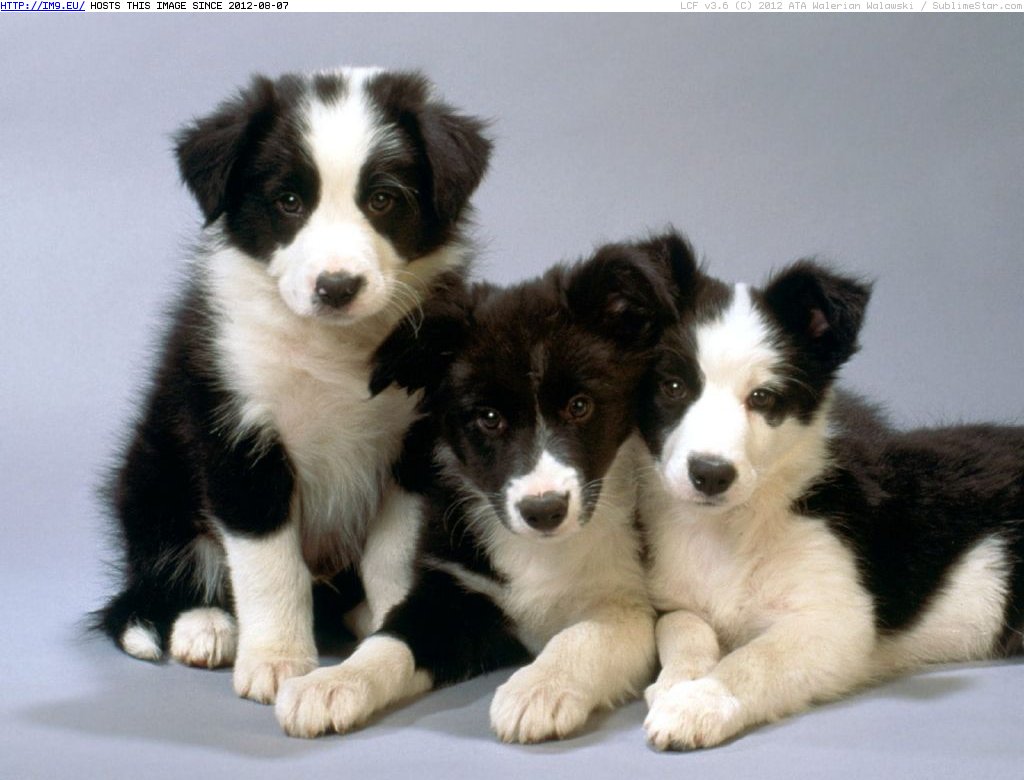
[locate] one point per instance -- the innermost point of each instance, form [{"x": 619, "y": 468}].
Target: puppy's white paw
[
  {"x": 259, "y": 675},
  {"x": 329, "y": 699},
  {"x": 204, "y": 637},
  {"x": 696, "y": 714},
  {"x": 534, "y": 706}
]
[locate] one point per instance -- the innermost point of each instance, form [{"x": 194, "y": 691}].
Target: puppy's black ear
[
  {"x": 621, "y": 294},
  {"x": 821, "y": 310},
  {"x": 454, "y": 144},
  {"x": 458, "y": 153},
  {"x": 672, "y": 255},
  {"x": 208, "y": 148},
  {"x": 419, "y": 351}
]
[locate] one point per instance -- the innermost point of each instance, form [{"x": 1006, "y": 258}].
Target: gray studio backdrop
[{"x": 891, "y": 145}]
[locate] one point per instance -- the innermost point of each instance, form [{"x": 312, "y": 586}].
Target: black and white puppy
[
  {"x": 332, "y": 202},
  {"x": 524, "y": 472},
  {"x": 801, "y": 547}
]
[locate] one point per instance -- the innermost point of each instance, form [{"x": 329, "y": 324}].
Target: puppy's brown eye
[
  {"x": 673, "y": 389},
  {"x": 290, "y": 204},
  {"x": 579, "y": 408},
  {"x": 380, "y": 202},
  {"x": 491, "y": 422},
  {"x": 761, "y": 400}
]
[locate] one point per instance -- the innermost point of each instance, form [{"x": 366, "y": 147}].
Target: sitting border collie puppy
[
  {"x": 524, "y": 472},
  {"x": 331, "y": 202},
  {"x": 801, "y": 547}
]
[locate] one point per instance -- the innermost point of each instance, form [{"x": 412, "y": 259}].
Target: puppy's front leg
[
  {"x": 795, "y": 662},
  {"x": 596, "y": 662},
  {"x": 687, "y": 649},
  {"x": 386, "y": 567},
  {"x": 439, "y": 634},
  {"x": 274, "y": 604},
  {"x": 381, "y": 671},
  {"x": 252, "y": 495}
]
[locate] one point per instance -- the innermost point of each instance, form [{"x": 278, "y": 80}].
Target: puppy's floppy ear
[
  {"x": 419, "y": 350},
  {"x": 458, "y": 153},
  {"x": 821, "y": 310},
  {"x": 622, "y": 295},
  {"x": 209, "y": 147},
  {"x": 672, "y": 255},
  {"x": 454, "y": 144}
]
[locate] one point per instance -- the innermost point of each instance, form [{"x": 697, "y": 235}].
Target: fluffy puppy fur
[
  {"x": 524, "y": 473},
  {"x": 332, "y": 202},
  {"x": 800, "y": 546}
]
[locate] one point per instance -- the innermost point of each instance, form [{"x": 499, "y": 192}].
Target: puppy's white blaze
[
  {"x": 735, "y": 356},
  {"x": 337, "y": 236},
  {"x": 340, "y": 134},
  {"x": 140, "y": 642},
  {"x": 735, "y": 350},
  {"x": 549, "y": 475}
]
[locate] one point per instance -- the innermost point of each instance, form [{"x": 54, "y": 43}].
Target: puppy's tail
[{"x": 138, "y": 620}]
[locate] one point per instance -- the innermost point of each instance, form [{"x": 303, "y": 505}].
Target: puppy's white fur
[{"x": 386, "y": 566}]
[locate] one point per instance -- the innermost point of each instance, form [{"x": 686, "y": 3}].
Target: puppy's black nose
[
  {"x": 711, "y": 475},
  {"x": 336, "y": 289},
  {"x": 544, "y": 512}
]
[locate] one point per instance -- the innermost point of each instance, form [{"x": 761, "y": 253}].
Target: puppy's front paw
[
  {"x": 701, "y": 713},
  {"x": 330, "y": 699},
  {"x": 258, "y": 676},
  {"x": 204, "y": 637},
  {"x": 534, "y": 706}
]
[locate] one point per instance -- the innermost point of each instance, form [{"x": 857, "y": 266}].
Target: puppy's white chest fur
[
  {"x": 551, "y": 586},
  {"x": 742, "y": 573},
  {"x": 307, "y": 382}
]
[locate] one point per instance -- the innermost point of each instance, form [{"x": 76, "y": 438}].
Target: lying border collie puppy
[
  {"x": 801, "y": 547},
  {"x": 331, "y": 203},
  {"x": 524, "y": 470}
]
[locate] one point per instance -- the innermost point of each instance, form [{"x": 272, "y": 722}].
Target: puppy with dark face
[
  {"x": 801, "y": 547},
  {"x": 523, "y": 472},
  {"x": 332, "y": 202}
]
